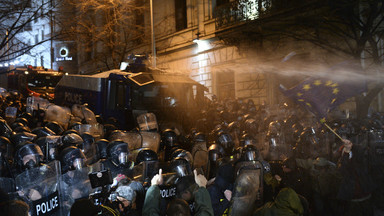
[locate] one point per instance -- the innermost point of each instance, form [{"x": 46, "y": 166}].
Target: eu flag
[{"x": 320, "y": 95}]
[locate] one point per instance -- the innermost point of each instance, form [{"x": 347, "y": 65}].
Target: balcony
[{"x": 242, "y": 11}]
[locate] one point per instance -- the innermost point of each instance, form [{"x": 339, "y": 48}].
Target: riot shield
[
  {"x": 10, "y": 114},
  {"x": 74, "y": 184},
  {"x": 133, "y": 139},
  {"x": 147, "y": 122},
  {"x": 35, "y": 103},
  {"x": 59, "y": 114},
  {"x": 248, "y": 188},
  {"x": 96, "y": 130},
  {"x": 200, "y": 156},
  {"x": 39, "y": 188},
  {"x": 151, "y": 140}
]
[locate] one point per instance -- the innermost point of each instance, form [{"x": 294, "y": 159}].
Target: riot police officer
[{"x": 118, "y": 162}]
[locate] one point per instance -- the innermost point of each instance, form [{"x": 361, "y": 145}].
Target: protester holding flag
[{"x": 357, "y": 185}]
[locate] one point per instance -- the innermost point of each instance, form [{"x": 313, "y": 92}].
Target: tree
[
  {"x": 353, "y": 29},
  {"x": 105, "y": 30},
  {"x": 16, "y": 21}
]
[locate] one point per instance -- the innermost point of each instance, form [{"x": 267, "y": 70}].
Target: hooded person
[
  {"x": 286, "y": 203},
  {"x": 221, "y": 189},
  {"x": 126, "y": 197}
]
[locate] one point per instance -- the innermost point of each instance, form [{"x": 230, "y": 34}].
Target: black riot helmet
[
  {"x": 71, "y": 158},
  {"x": 26, "y": 115},
  {"x": 55, "y": 127},
  {"x": 23, "y": 121},
  {"x": 117, "y": 152},
  {"x": 28, "y": 155},
  {"x": 247, "y": 139},
  {"x": 71, "y": 139},
  {"x": 102, "y": 148},
  {"x": 215, "y": 152},
  {"x": 22, "y": 137},
  {"x": 43, "y": 132},
  {"x": 199, "y": 137},
  {"x": 225, "y": 140},
  {"x": 5, "y": 129},
  {"x": 22, "y": 129},
  {"x": 181, "y": 153},
  {"x": 146, "y": 154},
  {"x": 49, "y": 147},
  {"x": 70, "y": 131},
  {"x": 88, "y": 145},
  {"x": 181, "y": 167},
  {"x": 15, "y": 125},
  {"x": 251, "y": 153},
  {"x": 169, "y": 138}
]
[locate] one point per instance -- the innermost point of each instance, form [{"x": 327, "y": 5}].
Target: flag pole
[{"x": 333, "y": 131}]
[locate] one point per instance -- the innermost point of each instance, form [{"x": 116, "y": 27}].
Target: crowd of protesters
[{"x": 237, "y": 158}]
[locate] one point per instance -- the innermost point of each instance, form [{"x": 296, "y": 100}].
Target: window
[
  {"x": 42, "y": 34},
  {"x": 42, "y": 60},
  {"x": 36, "y": 39},
  {"x": 181, "y": 14},
  {"x": 226, "y": 84}
]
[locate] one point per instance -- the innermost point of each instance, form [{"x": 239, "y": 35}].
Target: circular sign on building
[{"x": 63, "y": 52}]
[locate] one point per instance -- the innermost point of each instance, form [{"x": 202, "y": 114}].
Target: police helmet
[
  {"x": 169, "y": 138},
  {"x": 49, "y": 147},
  {"x": 102, "y": 147},
  {"x": 22, "y": 129},
  {"x": 199, "y": 137},
  {"x": 251, "y": 153},
  {"x": 28, "y": 155},
  {"x": 225, "y": 140},
  {"x": 15, "y": 125},
  {"x": 146, "y": 154},
  {"x": 215, "y": 152},
  {"x": 71, "y": 139},
  {"x": 181, "y": 153},
  {"x": 71, "y": 158},
  {"x": 23, "y": 121},
  {"x": 117, "y": 152},
  {"x": 247, "y": 139},
  {"x": 55, "y": 127},
  {"x": 22, "y": 137},
  {"x": 181, "y": 167},
  {"x": 43, "y": 132},
  {"x": 70, "y": 131},
  {"x": 26, "y": 115},
  {"x": 88, "y": 141},
  {"x": 74, "y": 125}
]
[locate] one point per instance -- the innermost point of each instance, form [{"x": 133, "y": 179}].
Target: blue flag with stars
[{"x": 321, "y": 95}]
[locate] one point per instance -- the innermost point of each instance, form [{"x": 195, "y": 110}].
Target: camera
[{"x": 100, "y": 179}]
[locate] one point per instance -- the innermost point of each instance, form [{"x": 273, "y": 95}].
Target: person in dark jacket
[
  {"x": 286, "y": 203},
  {"x": 221, "y": 189},
  {"x": 203, "y": 206},
  {"x": 356, "y": 185}
]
